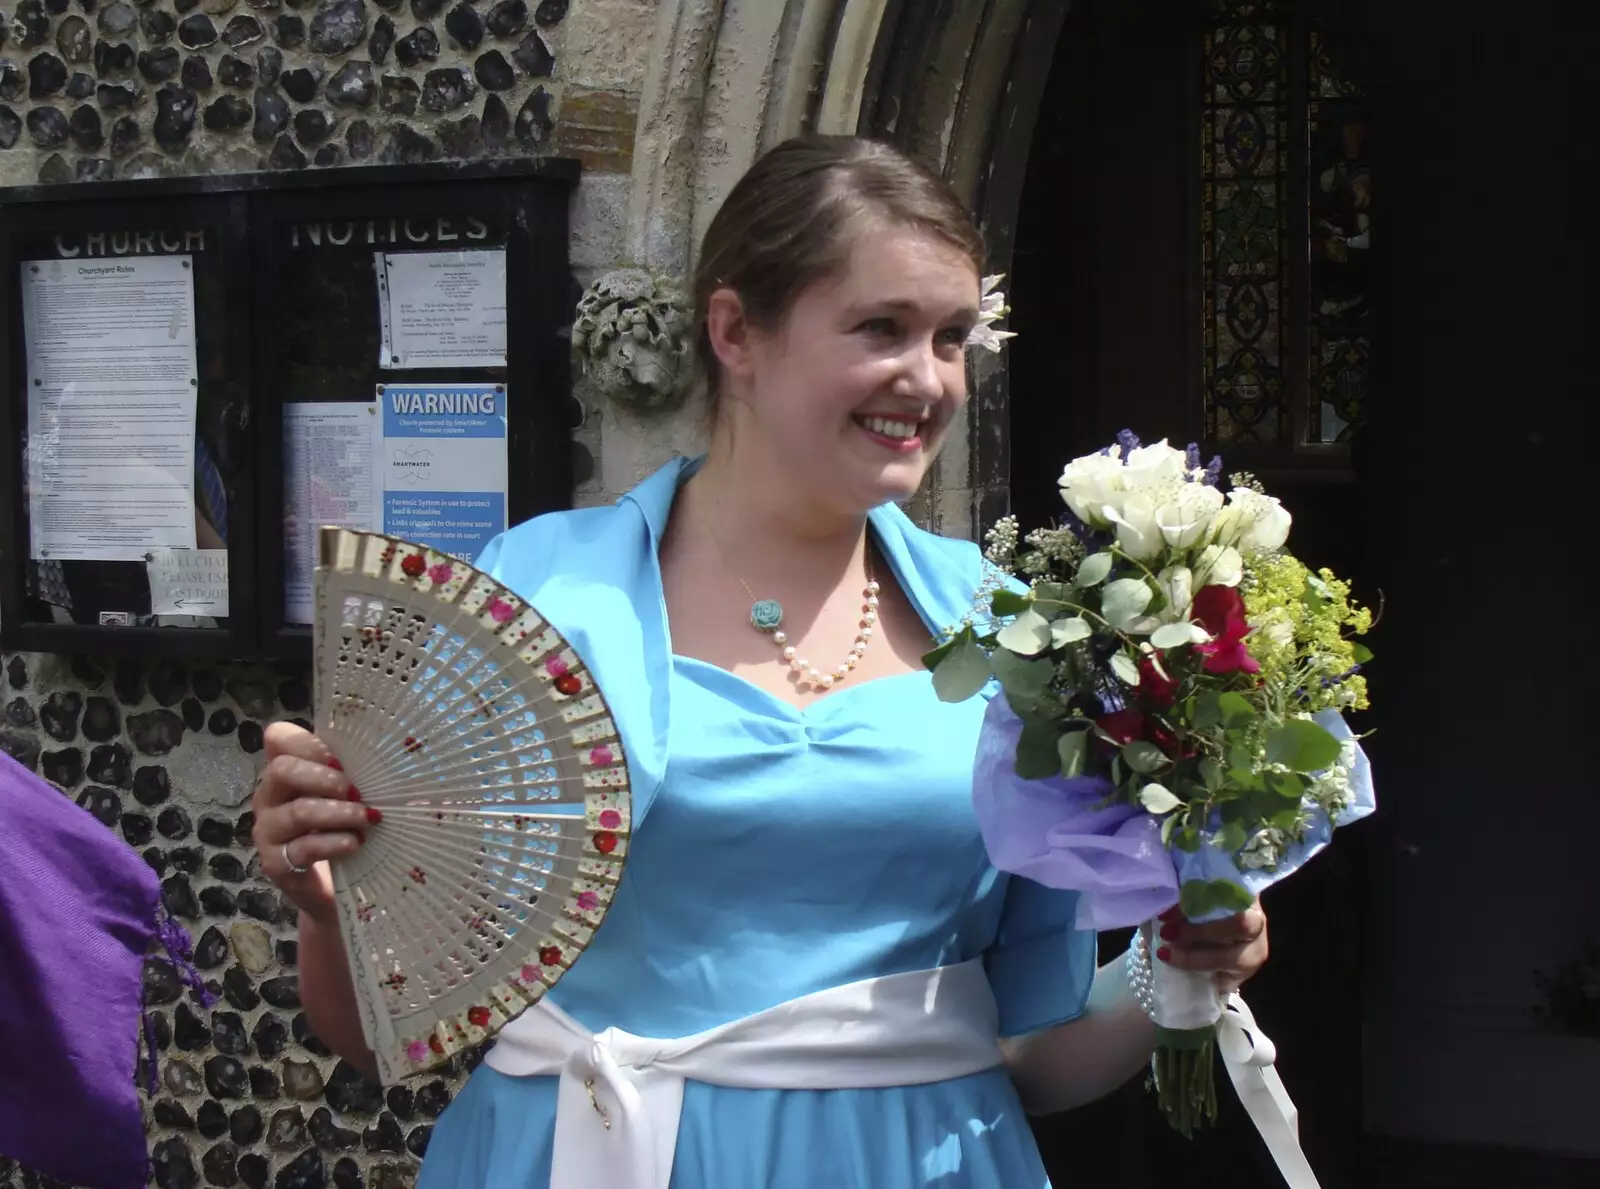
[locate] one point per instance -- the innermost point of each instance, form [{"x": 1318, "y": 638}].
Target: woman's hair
[{"x": 793, "y": 218}]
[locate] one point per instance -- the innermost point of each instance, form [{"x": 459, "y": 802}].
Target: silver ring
[{"x": 289, "y": 863}]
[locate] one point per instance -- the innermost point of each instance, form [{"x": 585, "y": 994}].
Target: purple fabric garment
[
  {"x": 78, "y": 911},
  {"x": 1051, "y": 831}
]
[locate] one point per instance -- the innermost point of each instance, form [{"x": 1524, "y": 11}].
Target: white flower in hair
[{"x": 991, "y": 308}]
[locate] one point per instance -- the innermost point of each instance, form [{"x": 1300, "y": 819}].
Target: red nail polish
[
  {"x": 1170, "y": 914},
  {"x": 373, "y": 815},
  {"x": 1164, "y": 954},
  {"x": 1169, "y": 932},
  {"x": 335, "y": 764},
  {"x": 355, "y": 793}
]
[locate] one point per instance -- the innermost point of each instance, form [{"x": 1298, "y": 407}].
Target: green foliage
[
  {"x": 962, "y": 672},
  {"x": 1201, "y": 897}
]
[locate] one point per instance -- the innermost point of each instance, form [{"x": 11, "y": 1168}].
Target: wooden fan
[{"x": 468, "y": 721}]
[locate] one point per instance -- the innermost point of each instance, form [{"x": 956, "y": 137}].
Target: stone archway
[
  {"x": 956, "y": 82},
  {"x": 959, "y": 83}
]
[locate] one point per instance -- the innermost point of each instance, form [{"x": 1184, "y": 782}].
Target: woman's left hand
[{"x": 1234, "y": 949}]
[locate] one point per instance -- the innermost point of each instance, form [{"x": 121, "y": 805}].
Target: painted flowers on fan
[{"x": 1168, "y": 729}]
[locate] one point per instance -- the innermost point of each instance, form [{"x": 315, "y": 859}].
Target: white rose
[
  {"x": 1227, "y": 526},
  {"x": 1264, "y": 522},
  {"x": 1089, "y": 484},
  {"x": 1219, "y": 565},
  {"x": 1270, "y": 530},
  {"x": 1177, "y": 584},
  {"x": 1137, "y": 531},
  {"x": 1151, "y": 466},
  {"x": 1186, "y": 518}
]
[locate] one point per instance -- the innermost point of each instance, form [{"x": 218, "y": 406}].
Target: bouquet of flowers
[{"x": 1170, "y": 730}]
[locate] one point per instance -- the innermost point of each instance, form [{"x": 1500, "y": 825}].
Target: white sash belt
[{"x": 620, "y": 1095}]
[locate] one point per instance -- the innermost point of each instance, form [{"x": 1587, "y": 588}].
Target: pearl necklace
[
  {"x": 816, "y": 678},
  {"x": 766, "y": 616}
]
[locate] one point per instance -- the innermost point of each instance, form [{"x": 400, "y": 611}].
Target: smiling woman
[{"x": 804, "y": 847}]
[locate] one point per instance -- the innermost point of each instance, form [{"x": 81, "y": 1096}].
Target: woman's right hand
[{"x": 306, "y": 812}]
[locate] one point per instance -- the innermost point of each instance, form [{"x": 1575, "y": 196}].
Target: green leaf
[
  {"x": 1211, "y": 773},
  {"x": 1021, "y": 676},
  {"x": 1316, "y": 594},
  {"x": 1286, "y": 785},
  {"x": 1199, "y": 897},
  {"x": 1095, "y": 569},
  {"x": 1073, "y": 750},
  {"x": 1008, "y": 602},
  {"x": 1124, "y": 601},
  {"x": 1207, "y": 711},
  {"x": 1236, "y": 710},
  {"x": 962, "y": 673},
  {"x": 1176, "y": 635},
  {"x": 930, "y": 660},
  {"x": 1038, "y": 756},
  {"x": 1363, "y": 654},
  {"x": 1194, "y": 898},
  {"x": 1124, "y": 667},
  {"x": 1302, "y": 746},
  {"x": 1167, "y": 824},
  {"x": 1026, "y": 635},
  {"x": 1069, "y": 631},
  {"x": 1285, "y": 819},
  {"x": 1158, "y": 799},
  {"x": 1231, "y": 837},
  {"x": 1143, "y": 757},
  {"x": 1187, "y": 839},
  {"x": 1231, "y": 896}
]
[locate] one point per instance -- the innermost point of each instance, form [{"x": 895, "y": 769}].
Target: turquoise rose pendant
[{"x": 766, "y": 615}]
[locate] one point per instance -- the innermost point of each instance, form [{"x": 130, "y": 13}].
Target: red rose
[
  {"x": 1217, "y": 607},
  {"x": 1220, "y": 610},
  {"x": 1123, "y": 726},
  {"x": 1163, "y": 738},
  {"x": 1156, "y": 690}
]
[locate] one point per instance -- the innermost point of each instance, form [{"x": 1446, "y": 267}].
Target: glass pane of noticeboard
[
  {"x": 130, "y": 451},
  {"x": 391, "y": 361}
]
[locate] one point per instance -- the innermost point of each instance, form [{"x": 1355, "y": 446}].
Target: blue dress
[{"x": 789, "y": 850}]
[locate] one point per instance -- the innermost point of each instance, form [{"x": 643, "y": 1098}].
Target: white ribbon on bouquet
[{"x": 1187, "y": 1000}]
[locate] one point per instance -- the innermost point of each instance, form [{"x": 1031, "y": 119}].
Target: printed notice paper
[
  {"x": 444, "y": 476},
  {"x": 442, "y": 309},
  {"x": 188, "y": 582},
  {"x": 112, "y": 383},
  {"x": 331, "y": 476}
]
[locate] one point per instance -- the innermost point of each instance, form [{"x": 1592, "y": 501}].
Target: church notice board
[{"x": 203, "y": 372}]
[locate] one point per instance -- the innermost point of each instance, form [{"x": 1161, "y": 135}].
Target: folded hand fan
[{"x": 470, "y": 723}]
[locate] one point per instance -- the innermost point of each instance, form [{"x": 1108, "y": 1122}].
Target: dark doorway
[{"x": 1392, "y": 961}]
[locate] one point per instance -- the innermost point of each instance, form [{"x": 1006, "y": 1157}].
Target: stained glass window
[
  {"x": 1339, "y": 186},
  {"x": 1245, "y": 158},
  {"x": 1286, "y": 207}
]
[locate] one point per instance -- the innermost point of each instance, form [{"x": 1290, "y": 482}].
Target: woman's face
[{"x": 860, "y": 384}]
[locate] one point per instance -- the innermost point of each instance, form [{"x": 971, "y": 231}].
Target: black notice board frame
[
  {"x": 537, "y": 354},
  {"x": 532, "y": 195},
  {"x": 221, "y": 216}
]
